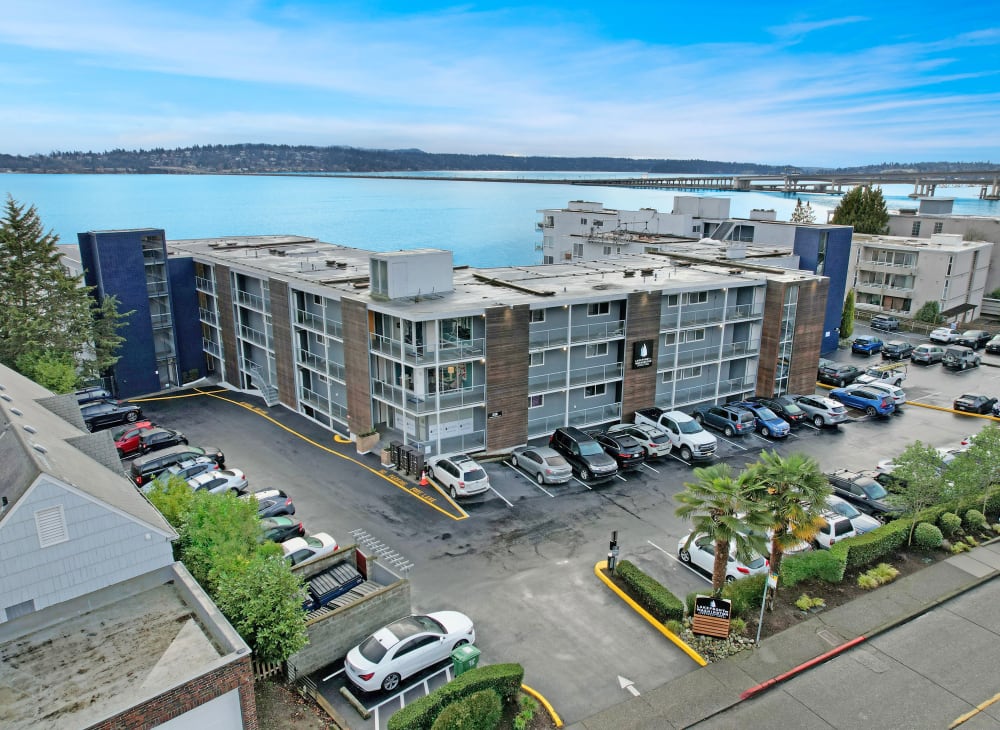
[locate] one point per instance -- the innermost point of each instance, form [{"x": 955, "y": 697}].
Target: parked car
[
  {"x": 785, "y": 407},
  {"x": 959, "y": 357},
  {"x": 863, "y": 492},
  {"x": 459, "y": 474},
  {"x": 895, "y": 393},
  {"x": 653, "y": 439},
  {"x": 546, "y": 465},
  {"x": 896, "y": 350},
  {"x": 861, "y": 522},
  {"x": 822, "y": 411},
  {"x": 147, "y": 467},
  {"x": 405, "y": 647},
  {"x": 839, "y": 374},
  {"x": 866, "y": 345},
  {"x": 730, "y": 420},
  {"x": 625, "y": 450},
  {"x": 993, "y": 346},
  {"x": 927, "y": 354},
  {"x": 699, "y": 551},
  {"x": 280, "y": 529},
  {"x": 973, "y": 339},
  {"x": 946, "y": 454},
  {"x": 191, "y": 468},
  {"x": 833, "y": 529},
  {"x": 585, "y": 455},
  {"x": 766, "y": 421},
  {"x": 104, "y": 413},
  {"x": 885, "y": 322},
  {"x": 154, "y": 439},
  {"x": 974, "y": 403},
  {"x": 893, "y": 373},
  {"x": 218, "y": 481},
  {"x": 93, "y": 393},
  {"x": 685, "y": 434},
  {"x": 305, "y": 550},
  {"x": 944, "y": 335},
  {"x": 272, "y": 502},
  {"x": 864, "y": 398},
  {"x": 127, "y": 437}
]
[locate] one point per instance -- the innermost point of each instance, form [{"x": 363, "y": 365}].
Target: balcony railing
[
  {"x": 213, "y": 348},
  {"x": 460, "y": 349},
  {"x": 593, "y": 416},
  {"x": 321, "y": 365},
  {"x": 205, "y": 285},
  {"x": 251, "y": 300},
  {"x": 544, "y": 426},
  {"x": 597, "y": 332},
  {"x": 314, "y": 399},
  {"x": 208, "y": 316},
  {"x": 255, "y": 336},
  {"x": 710, "y": 391},
  {"x": 335, "y": 329},
  {"x": 869, "y": 265},
  {"x": 744, "y": 311},
  {"x": 161, "y": 321},
  {"x": 544, "y": 339},
  {"x": 475, "y": 441},
  {"x": 156, "y": 288}
]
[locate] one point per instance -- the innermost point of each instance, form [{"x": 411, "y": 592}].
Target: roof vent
[
  {"x": 29, "y": 429},
  {"x": 629, "y": 274},
  {"x": 40, "y": 449},
  {"x": 16, "y": 412},
  {"x": 6, "y": 397}
]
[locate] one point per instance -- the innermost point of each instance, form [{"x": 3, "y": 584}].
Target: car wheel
[
  {"x": 765, "y": 432},
  {"x": 730, "y": 579},
  {"x": 685, "y": 453},
  {"x": 728, "y": 431},
  {"x": 684, "y": 555},
  {"x": 460, "y": 642},
  {"x": 131, "y": 416},
  {"x": 391, "y": 682},
  {"x": 699, "y": 418},
  {"x": 121, "y": 454},
  {"x": 452, "y": 492},
  {"x": 90, "y": 426},
  {"x": 870, "y": 411},
  {"x": 184, "y": 441},
  {"x": 818, "y": 421},
  {"x": 841, "y": 383},
  {"x": 585, "y": 474},
  {"x": 540, "y": 478},
  {"x": 513, "y": 460}
]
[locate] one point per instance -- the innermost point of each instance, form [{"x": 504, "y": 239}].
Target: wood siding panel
[
  {"x": 809, "y": 318},
  {"x": 770, "y": 336},
  {"x": 507, "y": 376},
  {"x": 224, "y": 300},
  {"x": 284, "y": 355},
  {"x": 642, "y": 323},
  {"x": 357, "y": 368}
]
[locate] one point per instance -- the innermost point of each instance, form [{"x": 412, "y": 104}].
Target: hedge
[
  {"x": 479, "y": 711},
  {"x": 650, "y": 593},
  {"x": 504, "y": 679},
  {"x": 826, "y": 565},
  {"x": 872, "y": 546},
  {"x": 745, "y": 594}
]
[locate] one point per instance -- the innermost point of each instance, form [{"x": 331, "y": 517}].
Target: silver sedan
[{"x": 546, "y": 465}]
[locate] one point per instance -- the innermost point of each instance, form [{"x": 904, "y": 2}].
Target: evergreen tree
[
  {"x": 930, "y": 312},
  {"x": 803, "y": 213},
  {"x": 44, "y": 312},
  {"x": 107, "y": 342},
  {"x": 863, "y": 208},
  {"x": 847, "y": 318}
]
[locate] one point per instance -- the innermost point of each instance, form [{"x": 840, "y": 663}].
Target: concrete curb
[{"x": 556, "y": 720}]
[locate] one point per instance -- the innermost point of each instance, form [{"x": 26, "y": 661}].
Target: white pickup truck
[
  {"x": 891, "y": 373},
  {"x": 686, "y": 435}
]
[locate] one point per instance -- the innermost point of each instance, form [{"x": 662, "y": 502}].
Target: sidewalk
[{"x": 709, "y": 690}]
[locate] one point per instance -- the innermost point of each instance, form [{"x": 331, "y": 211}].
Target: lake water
[{"x": 484, "y": 224}]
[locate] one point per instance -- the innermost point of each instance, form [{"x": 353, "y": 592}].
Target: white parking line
[
  {"x": 681, "y": 562},
  {"x": 732, "y": 443},
  {"x": 655, "y": 471},
  {"x": 516, "y": 470},
  {"x": 621, "y": 477},
  {"x": 399, "y": 695},
  {"x": 331, "y": 676},
  {"x": 675, "y": 456},
  {"x": 580, "y": 481},
  {"x": 500, "y": 496}
]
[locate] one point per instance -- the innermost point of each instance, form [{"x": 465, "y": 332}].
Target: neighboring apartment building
[
  {"x": 460, "y": 359},
  {"x": 899, "y": 275},
  {"x": 99, "y": 627},
  {"x": 934, "y": 216},
  {"x": 587, "y": 231}
]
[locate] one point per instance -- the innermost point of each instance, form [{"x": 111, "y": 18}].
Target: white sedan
[
  {"x": 406, "y": 647},
  {"x": 460, "y": 475},
  {"x": 944, "y": 335},
  {"x": 218, "y": 481},
  {"x": 302, "y": 550},
  {"x": 701, "y": 554}
]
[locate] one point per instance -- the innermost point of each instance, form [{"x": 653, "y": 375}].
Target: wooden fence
[{"x": 263, "y": 670}]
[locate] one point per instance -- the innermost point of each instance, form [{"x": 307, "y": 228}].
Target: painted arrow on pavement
[{"x": 628, "y": 684}]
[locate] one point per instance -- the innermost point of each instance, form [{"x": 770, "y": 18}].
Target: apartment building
[
  {"x": 460, "y": 359},
  {"x": 898, "y": 275}
]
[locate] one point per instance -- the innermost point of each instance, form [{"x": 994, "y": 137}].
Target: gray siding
[{"x": 104, "y": 547}]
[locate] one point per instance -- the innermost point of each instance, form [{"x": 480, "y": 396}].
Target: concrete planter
[
  {"x": 387, "y": 457},
  {"x": 365, "y": 444}
]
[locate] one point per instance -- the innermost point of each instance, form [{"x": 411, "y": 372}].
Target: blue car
[
  {"x": 766, "y": 422},
  {"x": 872, "y": 402},
  {"x": 866, "y": 345}
]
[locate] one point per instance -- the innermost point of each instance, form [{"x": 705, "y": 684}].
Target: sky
[{"x": 813, "y": 83}]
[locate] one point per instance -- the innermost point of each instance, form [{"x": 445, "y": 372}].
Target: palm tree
[
  {"x": 718, "y": 506},
  {"x": 794, "y": 492}
]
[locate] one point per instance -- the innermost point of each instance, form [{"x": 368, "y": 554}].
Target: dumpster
[{"x": 464, "y": 658}]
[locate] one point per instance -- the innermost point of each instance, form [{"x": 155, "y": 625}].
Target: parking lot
[{"x": 519, "y": 559}]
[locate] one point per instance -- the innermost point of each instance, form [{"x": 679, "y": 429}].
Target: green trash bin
[{"x": 464, "y": 658}]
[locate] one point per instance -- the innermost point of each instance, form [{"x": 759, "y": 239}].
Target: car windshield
[
  {"x": 555, "y": 460},
  {"x": 756, "y": 562},
  {"x": 589, "y": 448},
  {"x": 766, "y": 414},
  {"x": 372, "y": 650},
  {"x": 689, "y": 427},
  {"x": 660, "y": 439},
  {"x": 474, "y": 475},
  {"x": 873, "y": 489},
  {"x": 846, "y": 509}
]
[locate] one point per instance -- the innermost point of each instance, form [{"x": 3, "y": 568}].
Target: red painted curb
[{"x": 756, "y": 689}]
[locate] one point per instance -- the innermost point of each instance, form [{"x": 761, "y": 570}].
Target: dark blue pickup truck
[{"x": 332, "y": 583}]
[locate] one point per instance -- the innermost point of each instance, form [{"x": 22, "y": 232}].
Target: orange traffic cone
[{"x": 423, "y": 478}]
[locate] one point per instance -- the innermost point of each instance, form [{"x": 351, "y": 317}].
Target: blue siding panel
[{"x": 184, "y": 306}]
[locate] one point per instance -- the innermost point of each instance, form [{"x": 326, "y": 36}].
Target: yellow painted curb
[
  {"x": 945, "y": 409},
  {"x": 545, "y": 703},
  {"x": 646, "y": 615},
  {"x": 175, "y": 397}
]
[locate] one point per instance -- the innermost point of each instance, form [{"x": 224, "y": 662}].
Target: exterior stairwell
[{"x": 260, "y": 381}]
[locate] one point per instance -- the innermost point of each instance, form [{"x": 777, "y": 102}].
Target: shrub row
[
  {"x": 479, "y": 711},
  {"x": 826, "y": 565},
  {"x": 504, "y": 679},
  {"x": 650, "y": 593},
  {"x": 745, "y": 594}
]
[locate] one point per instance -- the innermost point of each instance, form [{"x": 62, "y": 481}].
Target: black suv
[
  {"x": 105, "y": 413},
  {"x": 623, "y": 448},
  {"x": 154, "y": 439},
  {"x": 585, "y": 455},
  {"x": 861, "y": 490},
  {"x": 839, "y": 374},
  {"x": 785, "y": 408},
  {"x": 973, "y": 338},
  {"x": 93, "y": 393},
  {"x": 146, "y": 468},
  {"x": 896, "y": 350}
]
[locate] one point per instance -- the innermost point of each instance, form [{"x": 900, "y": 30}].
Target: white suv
[
  {"x": 835, "y": 528},
  {"x": 822, "y": 411},
  {"x": 893, "y": 391},
  {"x": 653, "y": 439}
]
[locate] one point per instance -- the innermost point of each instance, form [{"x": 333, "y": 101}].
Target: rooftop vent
[
  {"x": 629, "y": 274},
  {"x": 16, "y": 412},
  {"x": 29, "y": 429},
  {"x": 276, "y": 251},
  {"x": 40, "y": 449}
]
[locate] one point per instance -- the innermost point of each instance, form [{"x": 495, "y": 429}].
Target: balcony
[
  {"x": 251, "y": 300},
  {"x": 205, "y": 285},
  {"x": 597, "y": 332},
  {"x": 744, "y": 311},
  {"x": 692, "y": 318},
  {"x": 546, "y": 339},
  {"x": 460, "y": 350},
  {"x": 212, "y": 348},
  {"x": 208, "y": 316},
  {"x": 161, "y": 321},
  {"x": 314, "y": 399},
  {"x": 582, "y": 418},
  {"x": 321, "y": 365},
  {"x": 156, "y": 288},
  {"x": 252, "y": 335},
  {"x": 711, "y": 391}
]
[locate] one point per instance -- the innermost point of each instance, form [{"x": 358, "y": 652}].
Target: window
[
  {"x": 694, "y": 335},
  {"x": 951, "y": 261},
  {"x": 591, "y": 391},
  {"x": 821, "y": 252},
  {"x": 598, "y": 224},
  {"x": 915, "y": 229},
  {"x": 578, "y": 250},
  {"x": 938, "y": 227},
  {"x": 583, "y": 221},
  {"x": 536, "y": 401},
  {"x": 548, "y": 260},
  {"x": 595, "y": 309},
  {"x": 667, "y": 377},
  {"x": 672, "y": 300},
  {"x": 317, "y": 299},
  {"x": 597, "y": 349},
  {"x": 319, "y": 339},
  {"x": 535, "y": 359},
  {"x": 607, "y": 250},
  {"x": 669, "y": 338},
  {"x": 696, "y": 297},
  {"x": 742, "y": 233},
  {"x": 688, "y": 373},
  {"x": 51, "y": 526},
  {"x": 20, "y": 609},
  {"x": 695, "y": 229},
  {"x": 537, "y": 315}
]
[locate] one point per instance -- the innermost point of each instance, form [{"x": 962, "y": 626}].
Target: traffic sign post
[{"x": 772, "y": 583}]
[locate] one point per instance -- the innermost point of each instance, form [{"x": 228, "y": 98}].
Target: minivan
[
  {"x": 147, "y": 468},
  {"x": 585, "y": 455}
]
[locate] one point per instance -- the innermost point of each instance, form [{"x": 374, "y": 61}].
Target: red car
[{"x": 127, "y": 437}]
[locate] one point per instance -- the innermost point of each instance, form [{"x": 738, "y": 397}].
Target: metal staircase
[{"x": 260, "y": 380}]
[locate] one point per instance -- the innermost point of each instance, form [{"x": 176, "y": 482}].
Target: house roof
[{"x": 35, "y": 440}]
